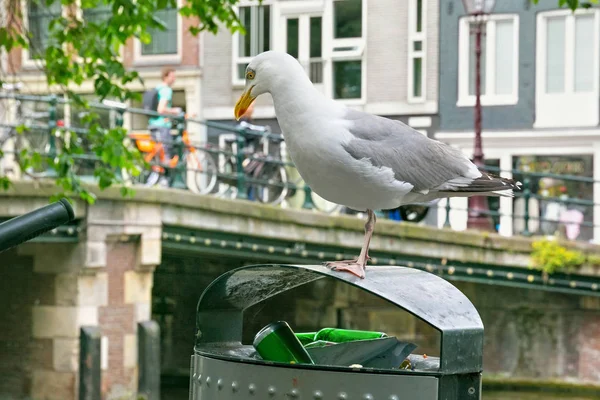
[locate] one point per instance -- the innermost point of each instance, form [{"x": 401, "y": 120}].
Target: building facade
[
  {"x": 540, "y": 98},
  {"x": 175, "y": 46},
  {"x": 378, "y": 56}
]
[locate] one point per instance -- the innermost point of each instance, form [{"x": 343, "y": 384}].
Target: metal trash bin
[{"x": 221, "y": 367}]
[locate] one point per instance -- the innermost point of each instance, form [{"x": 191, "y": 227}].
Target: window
[
  {"x": 97, "y": 15},
  {"x": 567, "y": 70},
  {"x": 347, "y": 19},
  {"x": 163, "y": 41},
  {"x": 316, "y": 49},
  {"x": 347, "y": 82},
  {"x": 499, "y": 61},
  {"x": 292, "y": 37},
  {"x": 581, "y": 52},
  {"x": 304, "y": 42},
  {"x": 347, "y": 50},
  {"x": 165, "y": 46},
  {"x": 416, "y": 51},
  {"x": 257, "y": 22},
  {"x": 39, "y": 17}
]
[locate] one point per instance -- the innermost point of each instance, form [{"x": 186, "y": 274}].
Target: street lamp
[{"x": 478, "y": 214}]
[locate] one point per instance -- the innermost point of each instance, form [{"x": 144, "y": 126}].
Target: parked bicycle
[
  {"x": 266, "y": 177},
  {"x": 198, "y": 163},
  {"x": 35, "y": 135}
]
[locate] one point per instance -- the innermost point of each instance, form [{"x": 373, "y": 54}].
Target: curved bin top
[{"x": 425, "y": 295}]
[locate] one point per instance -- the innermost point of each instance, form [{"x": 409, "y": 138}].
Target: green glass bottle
[
  {"x": 306, "y": 337},
  {"x": 277, "y": 342},
  {"x": 338, "y": 335}
]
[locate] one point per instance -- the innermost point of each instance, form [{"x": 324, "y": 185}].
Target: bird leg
[{"x": 357, "y": 266}]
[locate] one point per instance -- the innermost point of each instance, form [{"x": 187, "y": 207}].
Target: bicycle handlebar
[{"x": 28, "y": 226}]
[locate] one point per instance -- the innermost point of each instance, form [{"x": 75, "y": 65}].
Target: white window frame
[
  {"x": 154, "y": 59},
  {"x": 79, "y": 16},
  {"x": 3, "y": 52},
  {"x": 489, "y": 98},
  {"x": 569, "y": 108},
  {"x": 331, "y": 55},
  {"x": 235, "y": 58},
  {"x": 26, "y": 61},
  {"x": 414, "y": 36},
  {"x": 304, "y": 10}
]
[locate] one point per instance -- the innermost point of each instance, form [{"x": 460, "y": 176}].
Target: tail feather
[{"x": 486, "y": 184}]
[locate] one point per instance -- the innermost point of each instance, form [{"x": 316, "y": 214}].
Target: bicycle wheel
[
  {"x": 85, "y": 164},
  {"x": 227, "y": 183},
  {"x": 324, "y": 205},
  {"x": 413, "y": 213},
  {"x": 33, "y": 141},
  {"x": 202, "y": 167},
  {"x": 146, "y": 177},
  {"x": 273, "y": 186}
]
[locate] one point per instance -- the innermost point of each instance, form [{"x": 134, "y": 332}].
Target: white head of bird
[{"x": 265, "y": 73}]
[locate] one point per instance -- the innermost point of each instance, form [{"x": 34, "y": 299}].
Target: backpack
[{"x": 150, "y": 100}]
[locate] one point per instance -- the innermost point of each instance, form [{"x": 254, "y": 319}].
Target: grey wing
[{"x": 426, "y": 164}]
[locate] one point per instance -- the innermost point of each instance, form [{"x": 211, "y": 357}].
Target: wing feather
[{"x": 428, "y": 165}]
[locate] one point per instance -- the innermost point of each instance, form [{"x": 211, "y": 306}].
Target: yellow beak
[{"x": 243, "y": 103}]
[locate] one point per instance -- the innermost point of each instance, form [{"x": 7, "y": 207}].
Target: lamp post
[{"x": 478, "y": 214}]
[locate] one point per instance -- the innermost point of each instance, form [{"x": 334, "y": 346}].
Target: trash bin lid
[{"x": 425, "y": 295}]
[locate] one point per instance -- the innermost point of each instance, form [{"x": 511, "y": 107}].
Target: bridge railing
[{"x": 235, "y": 168}]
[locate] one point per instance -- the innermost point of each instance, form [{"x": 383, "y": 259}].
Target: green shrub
[{"x": 549, "y": 256}]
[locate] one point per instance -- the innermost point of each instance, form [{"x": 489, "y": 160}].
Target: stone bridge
[{"x": 125, "y": 260}]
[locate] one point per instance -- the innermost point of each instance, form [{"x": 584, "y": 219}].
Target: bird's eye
[{"x": 250, "y": 75}]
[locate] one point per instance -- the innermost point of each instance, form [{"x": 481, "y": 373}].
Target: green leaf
[{"x": 100, "y": 45}]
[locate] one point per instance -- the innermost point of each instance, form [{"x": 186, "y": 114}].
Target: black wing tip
[
  {"x": 488, "y": 183},
  {"x": 505, "y": 181}
]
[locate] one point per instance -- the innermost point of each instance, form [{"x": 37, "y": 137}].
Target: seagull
[{"x": 363, "y": 161}]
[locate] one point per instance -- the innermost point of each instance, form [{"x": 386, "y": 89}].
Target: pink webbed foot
[{"x": 351, "y": 266}]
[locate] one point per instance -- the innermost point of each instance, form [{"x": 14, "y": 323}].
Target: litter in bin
[
  {"x": 331, "y": 346},
  {"x": 277, "y": 342}
]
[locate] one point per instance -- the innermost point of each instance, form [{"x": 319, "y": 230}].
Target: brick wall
[
  {"x": 589, "y": 339},
  {"x": 387, "y": 50},
  {"x": 117, "y": 322},
  {"x": 190, "y": 56},
  {"x": 20, "y": 353},
  {"x": 536, "y": 334}
]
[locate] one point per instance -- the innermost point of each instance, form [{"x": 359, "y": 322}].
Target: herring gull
[{"x": 363, "y": 161}]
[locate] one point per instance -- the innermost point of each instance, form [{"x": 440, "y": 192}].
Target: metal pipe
[{"x": 28, "y": 226}]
